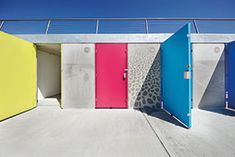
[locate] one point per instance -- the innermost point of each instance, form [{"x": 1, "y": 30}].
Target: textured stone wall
[{"x": 144, "y": 76}]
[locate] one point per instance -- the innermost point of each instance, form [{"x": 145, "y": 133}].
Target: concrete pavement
[
  {"x": 50, "y": 131},
  {"x": 212, "y": 133}
]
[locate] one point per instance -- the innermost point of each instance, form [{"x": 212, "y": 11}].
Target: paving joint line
[{"x": 155, "y": 133}]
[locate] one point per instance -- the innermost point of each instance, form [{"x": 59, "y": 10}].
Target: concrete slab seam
[{"x": 156, "y": 135}]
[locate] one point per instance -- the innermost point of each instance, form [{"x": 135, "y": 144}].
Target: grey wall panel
[
  {"x": 208, "y": 75},
  {"x": 144, "y": 76},
  {"x": 78, "y": 89}
]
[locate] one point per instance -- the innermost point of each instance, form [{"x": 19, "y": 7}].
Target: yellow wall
[{"x": 17, "y": 75}]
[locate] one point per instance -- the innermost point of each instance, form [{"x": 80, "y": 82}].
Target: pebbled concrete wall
[
  {"x": 78, "y": 74},
  {"x": 208, "y": 75},
  {"x": 144, "y": 76}
]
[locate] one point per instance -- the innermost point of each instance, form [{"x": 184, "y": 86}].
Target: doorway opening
[{"x": 49, "y": 74}]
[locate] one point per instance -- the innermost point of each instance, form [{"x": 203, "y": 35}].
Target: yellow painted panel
[{"x": 17, "y": 75}]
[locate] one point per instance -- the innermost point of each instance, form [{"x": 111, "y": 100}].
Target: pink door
[{"x": 111, "y": 75}]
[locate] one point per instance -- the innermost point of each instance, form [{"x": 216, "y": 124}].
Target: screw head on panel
[
  {"x": 86, "y": 49},
  {"x": 217, "y": 50}
]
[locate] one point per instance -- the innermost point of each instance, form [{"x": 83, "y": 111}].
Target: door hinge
[
  {"x": 226, "y": 104},
  {"x": 188, "y": 35},
  {"x": 161, "y": 104}
]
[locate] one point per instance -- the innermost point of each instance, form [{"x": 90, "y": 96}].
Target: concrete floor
[
  {"x": 50, "y": 131},
  {"x": 212, "y": 133}
]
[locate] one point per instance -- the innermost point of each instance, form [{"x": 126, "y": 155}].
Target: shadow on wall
[
  {"x": 213, "y": 96},
  {"x": 148, "y": 98},
  {"x": 48, "y": 74}
]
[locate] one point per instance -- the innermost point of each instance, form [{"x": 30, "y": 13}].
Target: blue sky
[{"x": 12, "y": 9}]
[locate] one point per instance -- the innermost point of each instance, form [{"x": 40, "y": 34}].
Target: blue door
[
  {"x": 230, "y": 75},
  {"x": 176, "y": 80}
]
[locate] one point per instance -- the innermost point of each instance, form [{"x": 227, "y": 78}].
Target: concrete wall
[
  {"x": 78, "y": 64},
  {"x": 78, "y": 74},
  {"x": 48, "y": 74},
  {"x": 144, "y": 76},
  {"x": 208, "y": 75}
]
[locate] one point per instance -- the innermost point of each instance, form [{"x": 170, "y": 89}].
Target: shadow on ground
[
  {"x": 220, "y": 110},
  {"x": 50, "y": 101},
  {"x": 163, "y": 115},
  {"x": 148, "y": 98},
  {"x": 57, "y": 97}
]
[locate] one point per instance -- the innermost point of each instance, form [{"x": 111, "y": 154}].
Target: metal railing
[{"x": 98, "y": 20}]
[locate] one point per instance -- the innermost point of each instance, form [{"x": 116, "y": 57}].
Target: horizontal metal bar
[{"x": 113, "y": 19}]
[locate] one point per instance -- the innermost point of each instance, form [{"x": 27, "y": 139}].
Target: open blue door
[
  {"x": 230, "y": 75},
  {"x": 176, "y": 80}
]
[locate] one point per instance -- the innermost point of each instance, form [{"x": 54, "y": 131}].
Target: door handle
[{"x": 124, "y": 76}]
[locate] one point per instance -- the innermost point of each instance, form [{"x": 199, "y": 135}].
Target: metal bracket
[
  {"x": 187, "y": 75},
  {"x": 161, "y": 104}
]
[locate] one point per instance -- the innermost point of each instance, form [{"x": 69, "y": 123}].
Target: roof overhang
[{"x": 120, "y": 38}]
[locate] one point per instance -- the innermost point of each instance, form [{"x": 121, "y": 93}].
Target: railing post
[
  {"x": 48, "y": 26},
  {"x": 195, "y": 25},
  {"x": 1, "y": 25},
  {"x": 97, "y": 26},
  {"x": 146, "y": 26}
]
